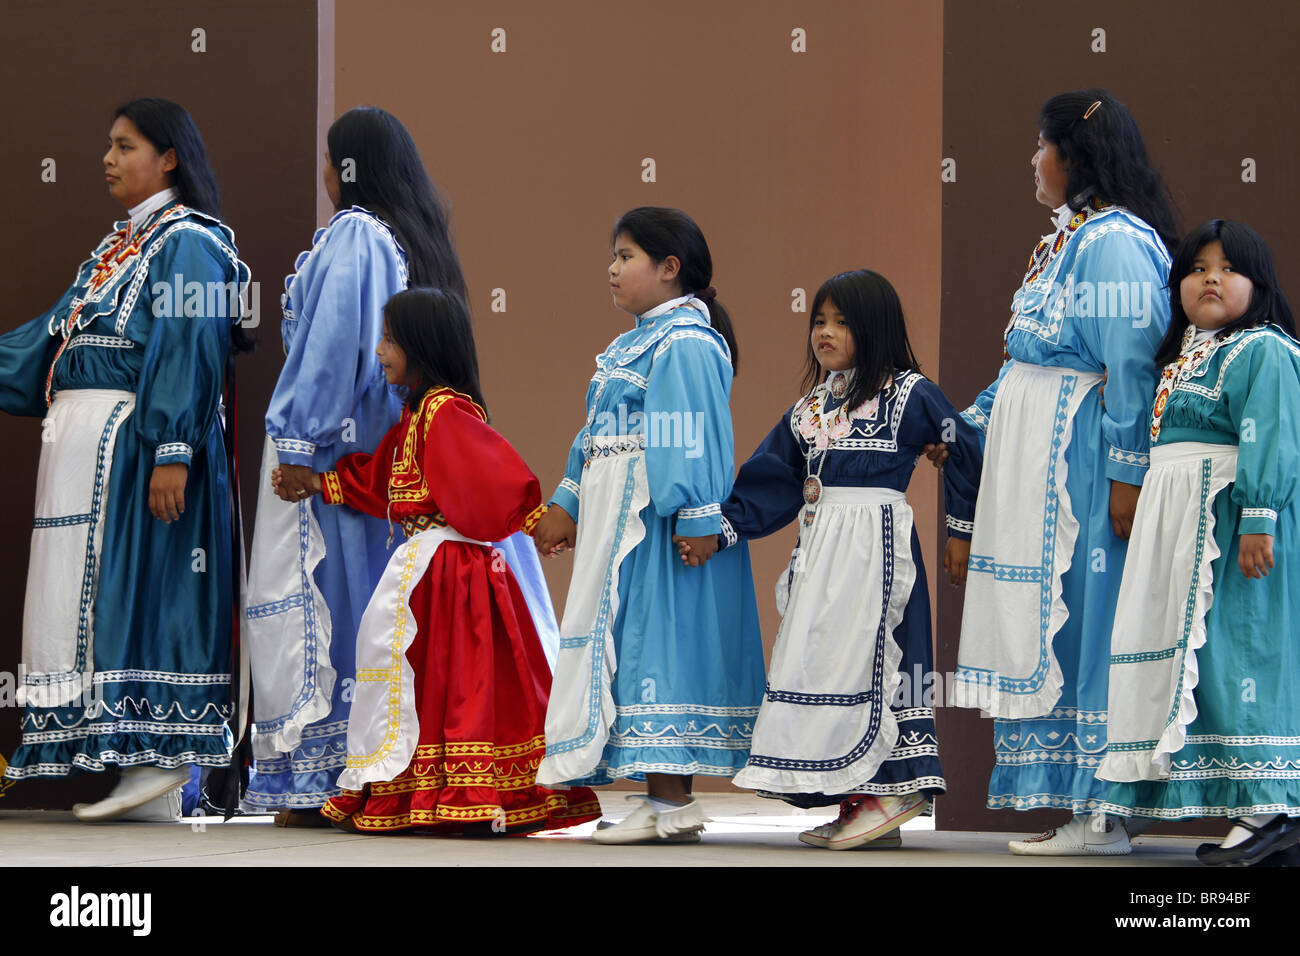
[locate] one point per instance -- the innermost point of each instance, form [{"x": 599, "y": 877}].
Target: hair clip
[{"x": 1091, "y": 109}]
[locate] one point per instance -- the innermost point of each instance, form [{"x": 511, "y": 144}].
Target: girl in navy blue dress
[{"x": 845, "y": 719}]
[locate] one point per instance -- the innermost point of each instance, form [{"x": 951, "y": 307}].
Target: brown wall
[
  {"x": 796, "y": 166},
  {"x": 1209, "y": 86},
  {"x": 253, "y": 96}
]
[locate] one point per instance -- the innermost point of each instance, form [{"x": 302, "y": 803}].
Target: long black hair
[
  {"x": 1245, "y": 249},
  {"x": 1105, "y": 158},
  {"x": 875, "y": 320},
  {"x": 380, "y": 169},
  {"x": 664, "y": 232},
  {"x": 432, "y": 327},
  {"x": 166, "y": 125}
]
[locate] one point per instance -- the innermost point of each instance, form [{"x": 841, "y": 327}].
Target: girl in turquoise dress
[{"x": 1204, "y": 711}]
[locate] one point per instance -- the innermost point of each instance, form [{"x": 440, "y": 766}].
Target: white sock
[{"x": 1238, "y": 834}]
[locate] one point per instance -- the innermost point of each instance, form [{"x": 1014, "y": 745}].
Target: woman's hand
[
  {"x": 937, "y": 453},
  {"x": 695, "y": 551},
  {"x": 167, "y": 491},
  {"x": 295, "y": 482},
  {"x": 1123, "y": 507},
  {"x": 955, "y": 559},
  {"x": 1255, "y": 555},
  {"x": 555, "y": 533}
]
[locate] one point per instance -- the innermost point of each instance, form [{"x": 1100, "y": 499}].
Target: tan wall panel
[{"x": 796, "y": 166}]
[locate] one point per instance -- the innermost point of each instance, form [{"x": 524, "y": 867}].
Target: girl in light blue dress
[{"x": 660, "y": 669}]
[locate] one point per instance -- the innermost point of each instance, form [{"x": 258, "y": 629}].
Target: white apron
[
  {"x": 78, "y": 436},
  {"x": 614, "y": 490},
  {"x": 1023, "y": 543},
  {"x": 384, "y": 726},
  {"x": 1166, "y": 592},
  {"x": 825, "y": 725}
]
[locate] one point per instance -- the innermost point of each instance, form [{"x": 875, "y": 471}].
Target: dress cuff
[
  {"x": 330, "y": 488},
  {"x": 727, "y": 535},
  {"x": 534, "y": 516},
  {"x": 959, "y": 528},
  {"x": 294, "y": 451},
  {"x": 699, "y": 522},
  {"x": 1127, "y": 466},
  {"x": 566, "y": 497},
  {"x": 976, "y": 418},
  {"x": 1258, "y": 521},
  {"x": 173, "y": 452}
]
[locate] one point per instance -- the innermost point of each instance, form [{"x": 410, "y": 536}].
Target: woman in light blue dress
[
  {"x": 1062, "y": 469},
  {"x": 314, "y": 568}
]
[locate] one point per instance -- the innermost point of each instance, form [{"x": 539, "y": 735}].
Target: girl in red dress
[{"x": 451, "y": 689}]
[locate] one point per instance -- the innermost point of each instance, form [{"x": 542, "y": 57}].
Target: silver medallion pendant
[
  {"x": 812, "y": 490},
  {"x": 839, "y": 386}
]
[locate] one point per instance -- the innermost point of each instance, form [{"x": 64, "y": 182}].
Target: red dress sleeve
[
  {"x": 360, "y": 480},
  {"x": 477, "y": 480}
]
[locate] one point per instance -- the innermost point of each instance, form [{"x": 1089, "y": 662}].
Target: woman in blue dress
[
  {"x": 127, "y": 622},
  {"x": 314, "y": 568},
  {"x": 660, "y": 668},
  {"x": 1062, "y": 470}
]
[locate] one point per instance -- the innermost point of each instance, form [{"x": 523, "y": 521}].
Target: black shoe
[{"x": 1282, "y": 833}]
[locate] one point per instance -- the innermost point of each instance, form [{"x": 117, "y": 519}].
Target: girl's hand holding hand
[
  {"x": 1123, "y": 507},
  {"x": 955, "y": 559},
  {"x": 555, "y": 533},
  {"x": 937, "y": 453},
  {"x": 695, "y": 551},
  {"x": 167, "y": 491},
  {"x": 1255, "y": 556}
]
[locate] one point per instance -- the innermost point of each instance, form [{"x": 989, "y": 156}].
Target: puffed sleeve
[
  {"x": 930, "y": 411},
  {"x": 185, "y": 354},
  {"x": 1261, "y": 389},
  {"x": 339, "y": 298},
  {"x": 360, "y": 480},
  {"x": 689, "y": 446},
  {"x": 25, "y": 357},
  {"x": 1121, "y": 313},
  {"x": 768, "y": 491},
  {"x": 478, "y": 481},
  {"x": 981, "y": 410}
]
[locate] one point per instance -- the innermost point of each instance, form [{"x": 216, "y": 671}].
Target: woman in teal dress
[
  {"x": 1204, "y": 711},
  {"x": 129, "y": 609}
]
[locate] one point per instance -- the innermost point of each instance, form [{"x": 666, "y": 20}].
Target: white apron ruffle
[
  {"x": 614, "y": 490},
  {"x": 287, "y": 626},
  {"x": 1167, "y": 591},
  {"x": 1025, "y": 531},
  {"x": 78, "y": 436},
  {"x": 825, "y": 725},
  {"x": 384, "y": 725}
]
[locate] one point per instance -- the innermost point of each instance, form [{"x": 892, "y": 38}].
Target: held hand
[
  {"x": 695, "y": 551},
  {"x": 1255, "y": 555},
  {"x": 555, "y": 533},
  {"x": 1123, "y": 507},
  {"x": 295, "y": 482},
  {"x": 167, "y": 491},
  {"x": 937, "y": 453},
  {"x": 1101, "y": 389},
  {"x": 955, "y": 559}
]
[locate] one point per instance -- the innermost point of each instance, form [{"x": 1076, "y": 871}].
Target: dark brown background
[{"x": 796, "y": 165}]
